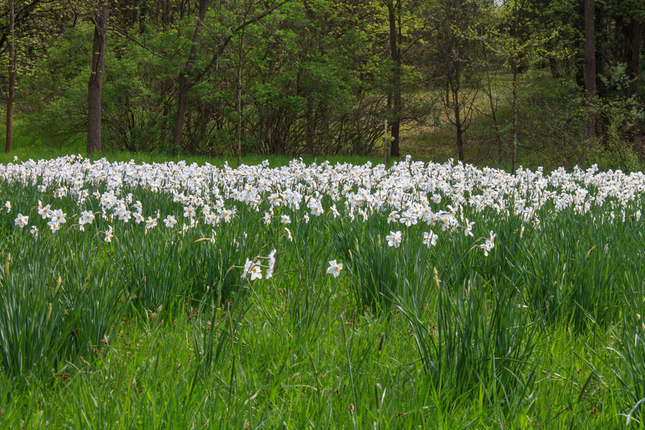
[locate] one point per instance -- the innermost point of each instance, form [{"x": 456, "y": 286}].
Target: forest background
[{"x": 496, "y": 82}]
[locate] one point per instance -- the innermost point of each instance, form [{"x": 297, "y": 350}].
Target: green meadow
[{"x": 319, "y": 295}]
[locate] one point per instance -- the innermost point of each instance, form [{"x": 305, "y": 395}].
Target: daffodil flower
[
  {"x": 394, "y": 239},
  {"x": 334, "y": 268}
]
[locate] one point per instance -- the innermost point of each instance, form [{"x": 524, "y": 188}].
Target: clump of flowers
[{"x": 253, "y": 268}]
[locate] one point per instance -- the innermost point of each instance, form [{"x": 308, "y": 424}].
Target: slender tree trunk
[
  {"x": 590, "y": 69},
  {"x": 385, "y": 146},
  {"x": 515, "y": 114},
  {"x": 515, "y": 66},
  {"x": 553, "y": 67},
  {"x": 395, "y": 52},
  {"x": 95, "y": 83},
  {"x": 493, "y": 114},
  {"x": 181, "y": 111},
  {"x": 238, "y": 128},
  {"x": 633, "y": 36},
  {"x": 310, "y": 134},
  {"x": 182, "y": 80},
  {"x": 493, "y": 109},
  {"x": 459, "y": 126},
  {"x": 12, "y": 80}
]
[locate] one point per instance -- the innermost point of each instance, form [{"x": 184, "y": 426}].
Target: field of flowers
[{"x": 338, "y": 296}]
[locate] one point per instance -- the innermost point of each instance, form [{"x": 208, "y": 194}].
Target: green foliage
[
  {"x": 628, "y": 352},
  {"x": 58, "y": 302},
  {"x": 621, "y": 118},
  {"x": 312, "y": 81},
  {"x": 482, "y": 343}
]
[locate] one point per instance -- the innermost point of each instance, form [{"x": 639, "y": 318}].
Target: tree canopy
[{"x": 320, "y": 77}]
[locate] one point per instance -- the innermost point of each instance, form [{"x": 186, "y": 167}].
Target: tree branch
[
  {"x": 229, "y": 36},
  {"x": 132, "y": 39}
]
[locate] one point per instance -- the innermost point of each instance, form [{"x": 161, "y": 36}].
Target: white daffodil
[
  {"x": 138, "y": 218},
  {"x": 393, "y": 217},
  {"x": 86, "y": 217},
  {"x": 21, "y": 220},
  {"x": 469, "y": 228},
  {"x": 59, "y": 216},
  {"x": 334, "y": 268},
  {"x": 170, "y": 221},
  {"x": 189, "y": 211},
  {"x": 394, "y": 239},
  {"x": 489, "y": 244},
  {"x": 151, "y": 223},
  {"x": 44, "y": 211},
  {"x": 54, "y": 225},
  {"x": 247, "y": 268},
  {"x": 430, "y": 238},
  {"x": 109, "y": 234},
  {"x": 271, "y": 258},
  {"x": 256, "y": 272}
]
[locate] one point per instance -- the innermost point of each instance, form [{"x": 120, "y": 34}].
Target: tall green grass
[{"x": 159, "y": 329}]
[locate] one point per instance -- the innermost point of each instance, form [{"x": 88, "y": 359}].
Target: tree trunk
[
  {"x": 385, "y": 145},
  {"x": 96, "y": 81},
  {"x": 12, "y": 81},
  {"x": 182, "y": 80},
  {"x": 633, "y": 37},
  {"x": 395, "y": 52},
  {"x": 590, "y": 69},
  {"x": 238, "y": 128},
  {"x": 554, "y": 68},
  {"x": 493, "y": 109},
  {"x": 459, "y": 126},
  {"x": 310, "y": 115},
  {"x": 515, "y": 114},
  {"x": 181, "y": 111}
]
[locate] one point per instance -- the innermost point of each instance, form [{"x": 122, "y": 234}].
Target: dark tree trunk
[
  {"x": 238, "y": 126},
  {"x": 590, "y": 69},
  {"x": 182, "y": 81},
  {"x": 310, "y": 114},
  {"x": 554, "y": 68},
  {"x": 515, "y": 115},
  {"x": 395, "y": 52},
  {"x": 12, "y": 81},
  {"x": 181, "y": 111},
  {"x": 454, "y": 103},
  {"x": 633, "y": 39},
  {"x": 96, "y": 80},
  {"x": 493, "y": 104},
  {"x": 459, "y": 128}
]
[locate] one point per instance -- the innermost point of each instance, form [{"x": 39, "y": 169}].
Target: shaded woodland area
[{"x": 543, "y": 82}]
